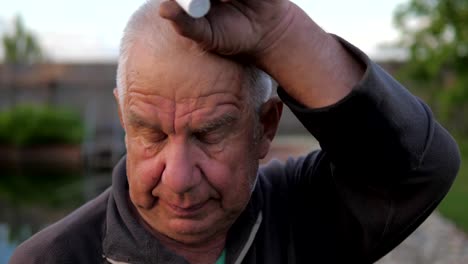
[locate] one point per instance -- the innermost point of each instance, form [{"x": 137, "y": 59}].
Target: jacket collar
[{"x": 127, "y": 241}]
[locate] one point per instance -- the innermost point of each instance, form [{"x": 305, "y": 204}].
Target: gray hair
[{"x": 145, "y": 24}]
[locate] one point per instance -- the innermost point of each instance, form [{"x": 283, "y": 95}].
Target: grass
[{"x": 455, "y": 204}]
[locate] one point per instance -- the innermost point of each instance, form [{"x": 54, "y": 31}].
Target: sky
[{"x": 90, "y": 30}]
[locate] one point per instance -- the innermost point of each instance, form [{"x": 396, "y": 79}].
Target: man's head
[
  {"x": 196, "y": 125},
  {"x": 146, "y": 26}
]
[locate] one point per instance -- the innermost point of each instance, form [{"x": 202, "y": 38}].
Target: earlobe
[{"x": 270, "y": 115}]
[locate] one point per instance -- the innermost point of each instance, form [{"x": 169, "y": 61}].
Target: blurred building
[{"x": 86, "y": 88}]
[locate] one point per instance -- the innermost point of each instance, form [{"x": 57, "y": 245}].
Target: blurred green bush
[{"x": 33, "y": 125}]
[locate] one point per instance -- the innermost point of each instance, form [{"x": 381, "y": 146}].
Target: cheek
[
  {"x": 143, "y": 171},
  {"x": 232, "y": 173}
]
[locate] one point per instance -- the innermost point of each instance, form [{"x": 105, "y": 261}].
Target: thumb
[{"x": 195, "y": 29}]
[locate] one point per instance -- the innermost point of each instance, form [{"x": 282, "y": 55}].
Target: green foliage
[
  {"x": 435, "y": 35},
  {"x": 454, "y": 205},
  {"x": 30, "y": 125},
  {"x": 21, "y": 46}
]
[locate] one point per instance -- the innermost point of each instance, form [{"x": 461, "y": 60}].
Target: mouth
[{"x": 188, "y": 211}]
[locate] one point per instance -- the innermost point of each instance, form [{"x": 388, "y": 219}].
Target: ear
[
  {"x": 119, "y": 107},
  {"x": 270, "y": 115}
]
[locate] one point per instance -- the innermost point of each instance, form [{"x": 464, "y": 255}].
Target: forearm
[
  {"x": 387, "y": 158},
  {"x": 311, "y": 65},
  {"x": 378, "y": 125}
]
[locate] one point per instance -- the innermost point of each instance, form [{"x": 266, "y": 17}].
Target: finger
[
  {"x": 169, "y": 9},
  {"x": 185, "y": 25}
]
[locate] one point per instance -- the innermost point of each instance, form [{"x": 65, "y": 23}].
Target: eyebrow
[
  {"x": 223, "y": 121},
  {"x": 138, "y": 121}
]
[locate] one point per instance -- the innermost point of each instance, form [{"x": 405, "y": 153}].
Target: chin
[{"x": 192, "y": 231}]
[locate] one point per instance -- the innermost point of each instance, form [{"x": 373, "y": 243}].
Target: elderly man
[{"x": 196, "y": 108}]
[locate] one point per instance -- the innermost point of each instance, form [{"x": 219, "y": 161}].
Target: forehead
[
  {"x": 179, "y": 73},
  {"x": 182, "y": 88}
]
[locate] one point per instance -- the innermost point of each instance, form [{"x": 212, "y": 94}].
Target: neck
[
  {"x": 195, "y": 253},
  {"x": 207, "y": 252}
]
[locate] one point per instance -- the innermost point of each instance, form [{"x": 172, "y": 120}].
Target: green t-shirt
[{"x": 222, "y": 258}]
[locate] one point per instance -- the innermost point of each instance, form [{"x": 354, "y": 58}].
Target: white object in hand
[{"x": 195, "y": 8}]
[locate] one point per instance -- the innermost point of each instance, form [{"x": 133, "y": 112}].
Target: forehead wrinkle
[
  {"x": 189, "y": 106},
  {"x": 150, "y": 110},
  {"x": 212, "y": 99},
  {"x": 153, "y": 102},
  {"x": 224, "y": 79}
]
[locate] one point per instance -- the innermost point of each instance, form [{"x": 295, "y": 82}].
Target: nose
[{"x": 180, "y": 173}]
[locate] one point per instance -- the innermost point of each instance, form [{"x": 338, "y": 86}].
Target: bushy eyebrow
[
  {"x": 225, "y": 120},
  {"x": 138, "y": 121}
]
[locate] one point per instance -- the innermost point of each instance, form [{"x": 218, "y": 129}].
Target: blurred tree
[
  {"x": 435, "y": 35},
  {"x": 21, "y": 46},
  {"x": 21, "y": 49}
]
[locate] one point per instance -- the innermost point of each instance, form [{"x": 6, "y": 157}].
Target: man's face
[{"x": 192, "y": 156}]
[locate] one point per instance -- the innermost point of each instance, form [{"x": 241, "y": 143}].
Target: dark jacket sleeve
[{"x": 387, "y": 160}]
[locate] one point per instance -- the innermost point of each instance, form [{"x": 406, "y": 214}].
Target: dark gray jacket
[{"x": 384, "y": 166}]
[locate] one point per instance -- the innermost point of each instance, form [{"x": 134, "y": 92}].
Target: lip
[{"x": 186, "y": 211}]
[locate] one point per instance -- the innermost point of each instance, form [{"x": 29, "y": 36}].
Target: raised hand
[
  {"x": 232, "y": 27},
  {"x": 279, "y": 38}
]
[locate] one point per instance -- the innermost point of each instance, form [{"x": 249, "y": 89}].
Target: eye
[
  {"x": 157, "y": 137},
  {"x": 153, "y": 138},
  {"x": 153, "y": 143},
  {"x": 209, "y": 138}
]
